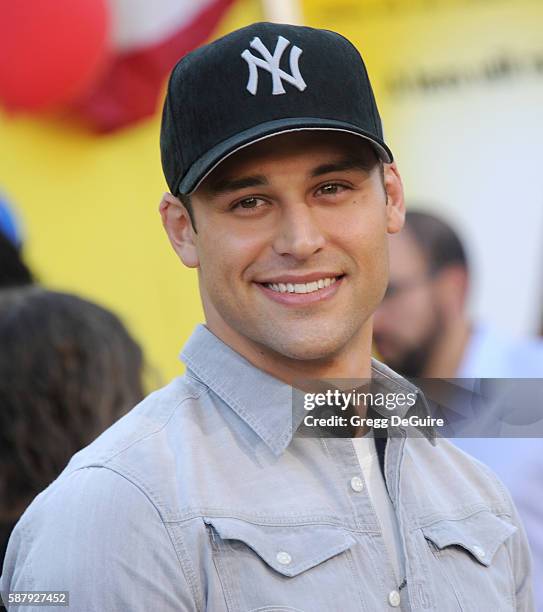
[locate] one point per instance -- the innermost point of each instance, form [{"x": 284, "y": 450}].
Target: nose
[{"x": 299, "y": 234}]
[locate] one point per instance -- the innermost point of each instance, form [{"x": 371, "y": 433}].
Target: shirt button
[
  {"x": 284, "y": 558},
  {"x": 357, "y": 484},
  {"x": 394, "y": 599},
  {"x": 478, "y": 551}
]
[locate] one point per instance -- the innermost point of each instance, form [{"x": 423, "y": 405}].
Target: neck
[
  {"x": 351, "y": 361},
  {"x": 449, "y": 349}
]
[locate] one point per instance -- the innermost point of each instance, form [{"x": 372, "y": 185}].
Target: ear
[
  {"x": 395, "y": 207},
  {"x": 178, "y": 226}
]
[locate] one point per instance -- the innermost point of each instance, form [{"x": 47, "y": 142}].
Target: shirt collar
[{"x": 263, "y": 402}]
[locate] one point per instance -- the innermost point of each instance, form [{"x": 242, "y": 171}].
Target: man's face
[
  {"x": 291, "y": 243},
  {"x": 408, "y": 322}
]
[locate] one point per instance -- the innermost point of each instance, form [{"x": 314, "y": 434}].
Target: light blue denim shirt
[{"x": 201, "y": 499}]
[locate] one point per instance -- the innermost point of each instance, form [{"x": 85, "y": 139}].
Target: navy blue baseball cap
[{"x": 257, "y": 82}]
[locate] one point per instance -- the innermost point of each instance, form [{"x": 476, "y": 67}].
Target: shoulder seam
[
  {"x": 152, "y": 433},
  {"x": 104, "y": 462},
  {"x": 498, "y": 484}
]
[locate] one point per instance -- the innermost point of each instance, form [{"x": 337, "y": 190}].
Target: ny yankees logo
[{"x": 271, "y": 64}]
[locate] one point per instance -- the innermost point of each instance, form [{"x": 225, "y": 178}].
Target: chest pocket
[
  {"x": 283, "y": 568},
  {"x": 472, "y": 556}
]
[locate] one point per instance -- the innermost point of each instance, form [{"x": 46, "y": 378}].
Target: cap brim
[{"x": 203, "y": 166}]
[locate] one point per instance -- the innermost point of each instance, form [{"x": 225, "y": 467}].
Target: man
[
  {"x": 422, "y": 329},
  {"x": 282, "y": 195}
]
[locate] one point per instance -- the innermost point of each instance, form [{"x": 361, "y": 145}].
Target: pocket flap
[
  {"x": 288, "y": 549},
  {"x": 481, "y": 534}
]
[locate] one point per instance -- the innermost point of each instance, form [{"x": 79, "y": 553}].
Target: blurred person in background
[
  {"x": 9, "y": 224},
  {"x": 422, "y": 330},
  {"x": 68, "y": 370},
  {"x": 13, "y": 270}
]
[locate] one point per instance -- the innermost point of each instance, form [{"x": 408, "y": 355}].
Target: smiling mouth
[{"x": 311, "y": 287}]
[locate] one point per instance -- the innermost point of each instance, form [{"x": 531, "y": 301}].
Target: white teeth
[{"x": 302, "y": 287}]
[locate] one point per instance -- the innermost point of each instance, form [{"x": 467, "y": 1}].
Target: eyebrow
[
  {"x": 342, "y": 166},
  {"x": 227, "y": 185}
]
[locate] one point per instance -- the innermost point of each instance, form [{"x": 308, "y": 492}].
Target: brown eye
[
  {"x": 331, "y": 189},
  {"x": 248, "y": 203}
]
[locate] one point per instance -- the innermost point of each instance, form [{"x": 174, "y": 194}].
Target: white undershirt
[{"x": 375, "y": 485}]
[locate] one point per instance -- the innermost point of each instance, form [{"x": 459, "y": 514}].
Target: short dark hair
[
  {"x": 439, "y": 242},
  {"x": 68, "y": 370}
]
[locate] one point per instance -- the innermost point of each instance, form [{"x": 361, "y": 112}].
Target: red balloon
[{"x": 50, "y": 51}]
